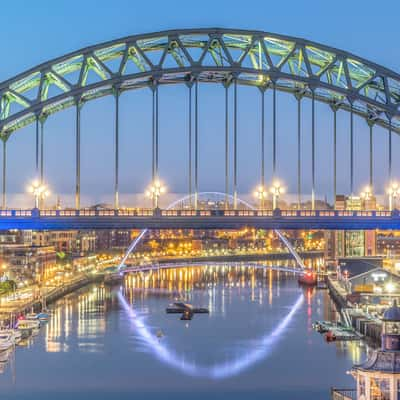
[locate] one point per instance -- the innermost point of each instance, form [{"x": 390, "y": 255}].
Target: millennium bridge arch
[{"x": 229, "y": 57}]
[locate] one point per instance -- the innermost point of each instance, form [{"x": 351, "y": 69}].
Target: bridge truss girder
[{"x": 253, "y": 58}]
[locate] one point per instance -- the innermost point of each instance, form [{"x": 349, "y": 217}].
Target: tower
[{"x": 379, "y": 376}]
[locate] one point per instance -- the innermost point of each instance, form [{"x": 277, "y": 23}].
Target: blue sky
[{"x": 33, "y": 32}]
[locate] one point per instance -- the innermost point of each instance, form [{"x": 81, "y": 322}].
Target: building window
[{"x": 380, "y": 389}]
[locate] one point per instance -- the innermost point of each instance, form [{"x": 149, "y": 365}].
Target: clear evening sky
[{"x": 36, "y": 31}]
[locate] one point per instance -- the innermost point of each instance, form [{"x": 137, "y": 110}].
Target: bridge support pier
[
  {"x": 371, "y": 154},
  {"x": 42, "y": 121},
  {"x": 226, "y": 145},
  {"x": 313, "y": 150},
  {"x": 78, "y": 156},
  {"x": 390, "y": 150},
  {"x": 299, "y": 96},
  {"x": 155, "y": 175},
  {"x": 116, "y": 144},
  {"x": 235, "y": 171},
  {"x": 196, "y": 144},
  {"x": 274, "y": 131},
  {"x": 37, "y": 146},
  {"x": 351, "y": 151},
  {"x": 190, "y": 146},
  {"x": 3, "y": 202},
  {"x": 262, "y": 166}
]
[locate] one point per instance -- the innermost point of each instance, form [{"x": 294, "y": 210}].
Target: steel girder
[{"x": 217, "y": 55}]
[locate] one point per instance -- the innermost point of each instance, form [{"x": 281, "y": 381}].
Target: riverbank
[
  {"x": 370, "y": 328},
  {"x": 15, "y": 307}
]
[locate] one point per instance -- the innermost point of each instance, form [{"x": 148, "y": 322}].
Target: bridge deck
[{"x": 198, "y": 219}]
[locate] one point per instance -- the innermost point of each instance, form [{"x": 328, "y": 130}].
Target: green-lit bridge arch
[
  {"x": 209, "y": 55},
  {"x": 192, "y": 56}
]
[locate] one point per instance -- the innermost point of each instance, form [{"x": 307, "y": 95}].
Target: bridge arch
[
  {"x": 224, "y": 197},
  {"x": 255, "y": 58},
  {"x": 230, "y": 57}
]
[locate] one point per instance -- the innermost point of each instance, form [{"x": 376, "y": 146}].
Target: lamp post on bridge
[
  {"x": 276, "y": 191},
  {"x": 366, "y": 196},
  {"x": 393, "y": 193},
  {"x": 155, "y": 191},
  {"x": 261, "y": 194},
  {"x": 39, "y": 191}
]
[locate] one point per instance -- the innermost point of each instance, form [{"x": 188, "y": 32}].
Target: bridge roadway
[{"x": 197, "y": 219}]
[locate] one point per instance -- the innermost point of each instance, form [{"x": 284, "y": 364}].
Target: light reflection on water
[{"x": 103, "y": 340}]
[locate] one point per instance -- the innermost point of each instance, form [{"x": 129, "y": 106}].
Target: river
[{"x": 109, "y": 343}]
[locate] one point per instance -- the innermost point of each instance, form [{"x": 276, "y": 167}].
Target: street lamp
[
  {"x": 39, "y": 191},
  {"x": 261, "y": 194},
  {"x": 155, "y": 191},
  {"x": 393, "y": 193},
  {"x": 276, "y": 191},
  {"x": 366, "y": 195}
]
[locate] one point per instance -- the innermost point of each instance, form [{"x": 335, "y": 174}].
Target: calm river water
[{"x": 118, "y": 343}]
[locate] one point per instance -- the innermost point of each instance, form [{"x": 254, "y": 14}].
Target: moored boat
[
  {"x": 28, "y": 324},
  {"x": 308, "y": 278},
  {"x": 6, "y": 341}
]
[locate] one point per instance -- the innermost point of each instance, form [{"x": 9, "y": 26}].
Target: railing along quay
[{"x": 343, "y": 394}]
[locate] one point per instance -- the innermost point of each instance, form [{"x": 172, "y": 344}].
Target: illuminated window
[{"x": 380, "y": 389}]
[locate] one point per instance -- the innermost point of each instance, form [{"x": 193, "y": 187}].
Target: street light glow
[
  {"x": 276, "y": 191},
  {"x": 393, "y": 193},
  {"x": 39, "y": 191},
  {"x": 261, "y": 194},
  {"x": 155, "y": 191}
]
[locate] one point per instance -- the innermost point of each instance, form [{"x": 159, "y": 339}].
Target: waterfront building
[
  {"x": 62, "y": 241},
  {"x": 388, "y": 243},
  {"x": 355, "y": 243},
  {"x": 378, "y": 378},
  {"x": 28, "y": 262}
]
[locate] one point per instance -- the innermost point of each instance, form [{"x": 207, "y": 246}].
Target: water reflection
[
  {"x": 83, "y": 316},
  {"x": 259, "y": 327}
]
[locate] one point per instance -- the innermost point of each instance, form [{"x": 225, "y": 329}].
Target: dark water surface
[{"x": 256, "y": 343}]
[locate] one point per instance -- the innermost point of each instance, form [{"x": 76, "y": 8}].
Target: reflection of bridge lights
[
  {"x": 276, "y": 191},
  {"x": 261, "y": 194},
  {"x": 155, "y": 191},
  {"x": 393, "y": 193},
  {"x": 39, "y": 191},
  {"x": 261, "y": 349}
]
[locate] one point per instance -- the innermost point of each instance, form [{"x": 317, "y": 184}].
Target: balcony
[{"x": 343, "y": 394}]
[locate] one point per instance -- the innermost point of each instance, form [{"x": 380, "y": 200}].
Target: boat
[
  {"x": 187, "y": 315},
  {"x": 15, "y": 333},
  {"x": 28, "y": 324},
  {"x": 6, "y": 341},
  {"x": 180, "y": 307},
  {"x": 330, "y": 336},
  {"x": 308, "y": 278},
  {"x": 32, "y": 316},
  {"x": 43, "y": 316},
  {"x": 159, "y": 334}
]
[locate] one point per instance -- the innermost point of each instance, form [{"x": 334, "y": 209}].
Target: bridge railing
[
  {"x": 343, "y": 394},
  {"x": 145, "y": 212}
]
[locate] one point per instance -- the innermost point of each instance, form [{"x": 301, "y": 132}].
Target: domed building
[{"x": 379, "y": 377}]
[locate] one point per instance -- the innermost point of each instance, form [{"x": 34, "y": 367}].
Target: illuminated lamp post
[
  {"x": 366, "y": 195},
  {"x": 261, "y": 194},
  {"x": 393, "y": 193},
  {"x": 39, "y": 191},
  {"x": 155, "y": 191},
  {"x": 276, "y": 191}
]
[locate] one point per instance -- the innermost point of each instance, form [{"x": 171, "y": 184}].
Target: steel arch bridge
[{"x": 193, "y": 56}]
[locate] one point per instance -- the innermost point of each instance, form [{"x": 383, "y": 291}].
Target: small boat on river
[
  {"x": 180, "y": 307},
  {"x": 308, "y": 278}
]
